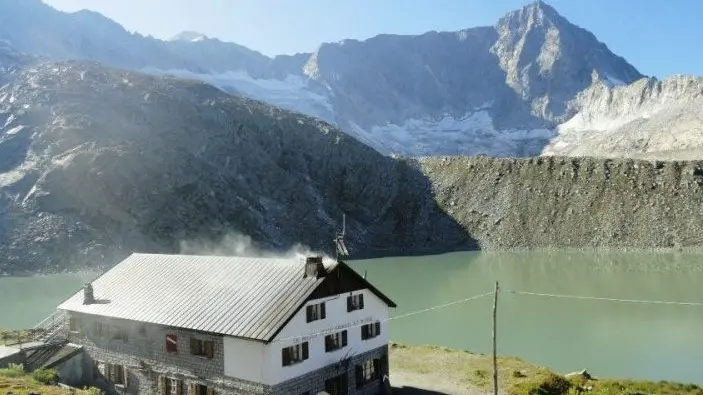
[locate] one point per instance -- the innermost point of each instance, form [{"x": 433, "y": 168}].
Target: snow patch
[
  {"x": 470, "y": 134},
  {"x": 14, "y": 130},
  {"x": 9, "y": 120},
  {"x": 292, "y": 93}
]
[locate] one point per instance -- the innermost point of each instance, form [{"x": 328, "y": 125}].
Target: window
[
  {"x": 171, "y": 343},
  {"x": 203, "y": 348},
  {"x": 119, "y": 334},
  {"x": 294, "y": 354},
  {"x": 367, "y": 371},
  {"x": 115, "y": 374},
  {"x": 199, "y": 389},
  {"x": 118, "y": 375},
  {"x": 73, "y": 324},
  {"x": 168, "y": 385},
  {"x": 335, "y": 341},
  {"x": 100, "y": 329},
  {"x": 369, "y": 331},
  {"x": 316, "y": 312},
  {"x": 337, "y": 385},
  {"x": 355, "y": 302}
]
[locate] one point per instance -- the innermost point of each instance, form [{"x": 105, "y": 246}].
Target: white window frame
[{"x": 369, "y": 370}]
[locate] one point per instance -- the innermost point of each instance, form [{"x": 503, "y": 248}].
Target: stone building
[{"x": 202, "y": 325}]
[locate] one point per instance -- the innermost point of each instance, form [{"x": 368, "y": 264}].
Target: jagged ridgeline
[{"x": 532, "y": 83}]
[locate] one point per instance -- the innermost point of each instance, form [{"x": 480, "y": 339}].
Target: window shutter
[
  {"x": 191, "y": 391},
  {"x": 322, "y": 311},
  {"x": 376, "y": 367},
  {"x": 384, "y": 364},
  {"x": 193, "y": 346},
  {"x": 210, "y": 391},
  {"x": 308, "y": 311},
  {"x": 344, "y": 338},
  {"x": 162, "y": 386},
  {"x": 126, "y": 376},
  {"x": 361, "y": 301},
  {"x": 210, "y": 349},
  {"x": 350, "y": 304},
  {"x": 328, "y": 343},
  {"x": 306, "y": 351},
  {"x": 179, "y": 387},
  {"x": 359, "y": 376},
  {"x": 284, "y": 356},
  {"x": 378, "y": 328}
]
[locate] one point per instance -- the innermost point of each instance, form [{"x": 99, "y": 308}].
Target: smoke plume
[{"x": 237, "y": 244}]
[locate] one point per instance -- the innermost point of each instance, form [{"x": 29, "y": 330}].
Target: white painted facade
[
  {"x": 244, "y": 359},
  {"x": 262, "y": 363}
]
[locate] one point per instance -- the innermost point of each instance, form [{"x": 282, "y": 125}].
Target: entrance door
[{"x": 338, "y": 385}]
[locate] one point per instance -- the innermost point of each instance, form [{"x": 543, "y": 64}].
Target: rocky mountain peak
[
  {"x": 189, "y": 36},
  {"x": 532, "y": 15},
  {"x": 548, "y": 60}
]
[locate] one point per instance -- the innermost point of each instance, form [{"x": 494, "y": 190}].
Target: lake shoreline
[
  {"x": 451, "y": 371},
  {"x": 375, "y": 254},
  {"x": 39, "y": 273}
]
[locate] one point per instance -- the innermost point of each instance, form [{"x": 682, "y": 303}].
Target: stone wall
[
  {"x": 314, "y": 382},
  {"x": 15, "y": 358},
  {"x": 145, "y": 360},
  {"x": 77, "y": 371}
]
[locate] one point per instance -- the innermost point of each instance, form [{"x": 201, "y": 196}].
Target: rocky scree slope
[
  {"x": 562, "y": 202},
  {"x": 98, "y": 162},
  {"x": 511, "y": 89},
  {"x": 647, "y": 119}
]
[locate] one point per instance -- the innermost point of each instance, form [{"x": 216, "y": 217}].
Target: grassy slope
[
  {"x": 436, "y": 366},
  {"x": 16, "y": 382}
]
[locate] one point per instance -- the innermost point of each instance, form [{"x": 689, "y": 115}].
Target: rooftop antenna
[{"x": 340, "y": 247}]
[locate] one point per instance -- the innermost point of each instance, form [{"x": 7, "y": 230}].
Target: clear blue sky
[{"x": 659, "y": 37}]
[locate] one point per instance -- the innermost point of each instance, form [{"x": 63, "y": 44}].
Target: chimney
[
  {"x": 314, "y": 267},
  {"x": 88, "y": 297}
]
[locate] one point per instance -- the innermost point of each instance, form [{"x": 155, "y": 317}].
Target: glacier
[
  {"x": 292, "y": 93},
  {"x": 470, "y": 134}
]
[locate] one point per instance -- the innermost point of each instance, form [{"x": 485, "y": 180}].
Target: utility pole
[{"x": 495, "y": 326}]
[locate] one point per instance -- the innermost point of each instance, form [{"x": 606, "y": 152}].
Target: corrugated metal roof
[{"x": 242, "y": 297}]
